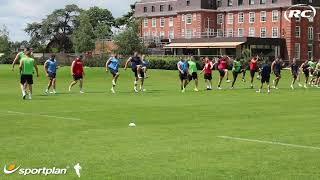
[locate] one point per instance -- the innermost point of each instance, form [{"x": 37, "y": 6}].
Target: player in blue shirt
[
  {"x": 265, "y": 75},
  {"x": 183, "y": 73},
  {"x": 50, "y": 67},
  {"x": 145, "y": 65},
  {"x": 112, "y": 65}
]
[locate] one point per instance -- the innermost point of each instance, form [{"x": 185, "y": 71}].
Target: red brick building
[{"x": 213, "y": 27}]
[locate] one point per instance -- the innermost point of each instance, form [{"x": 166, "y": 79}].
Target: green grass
[{"x": 176, "y": 135}]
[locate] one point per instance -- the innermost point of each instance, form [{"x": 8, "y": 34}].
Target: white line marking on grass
[
  {"x": 43, "y": 115},
  {"x": 269, "y": 142}
]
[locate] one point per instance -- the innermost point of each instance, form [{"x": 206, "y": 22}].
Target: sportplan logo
[
  {"x": 300, "y": 11},
  {"x": 45, "y": 171}
]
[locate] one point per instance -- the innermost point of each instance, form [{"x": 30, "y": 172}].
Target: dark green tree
[{"x": 83, "y": 37}]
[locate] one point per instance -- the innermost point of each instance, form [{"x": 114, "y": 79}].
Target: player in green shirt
[
  {"x": 312, "y": 67},
  {"x": 193, "y": 72},
  {"x": 236, "y": 70},
  {"x": 27, "y": 66},
  {"x": 19, "y": 56}
]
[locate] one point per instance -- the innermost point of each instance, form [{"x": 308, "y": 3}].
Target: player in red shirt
[
  {"x": 207, "y": 70},
  {"x": 77, "y": 72},
  {"x": 223, "y": 63},
  {"x": 254, "y": 67}
]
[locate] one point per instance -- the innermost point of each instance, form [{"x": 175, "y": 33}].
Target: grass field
[{"x": 178, "y": 136}]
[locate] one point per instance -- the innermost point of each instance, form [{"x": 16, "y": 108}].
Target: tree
[
  {"x": 128, "y": 41},
  {"x": 127, "y": 18},
  {"x": 83, "y": 37},
  {"x": 56, "y": 29},
  {"x": 101, "y": 21},
  {"x": 5, "y": 49}
]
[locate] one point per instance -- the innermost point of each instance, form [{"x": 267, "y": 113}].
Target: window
[
  {"x": 298, "y": 19},
  {"x": 145, "y": 9},
  {"x": 219, "y": 3},
  {"x": 297, "y": 32},
  {"x": 263, "y": 32},
  {"x": 274, "y": 1},
  {"x": 188, "y": 2},
  {"x": 154, "y": 22},
  {"x": 170, "y": 8},
  {"x": 310, "y": 1},
  {"x": 162, "y": 35},
  {"x": 162, "y": 22},
  {"x": 311, "y": 19},
  {"x": 220, "y": 19},
  {"x": 310, "y": 51},
  {"x": 145, "y": 22},
  {"x": 297, "y": 50},
  {"x": 275, "y": 16},
  {"x": 310, "y": 33},
  {"x": 263, "y": 16},
  {"x": 252, "y": 32},
  {"x": 240, "y": 32},
  {"x": 161, "y": 8},
  {"x": 189, "y": 33},
  {"x": 229, "y": 32},
  {"x": 153, "y": 9},
  {"x": 170, "y": 21},
  {"x": 251, "y": 2},
  {"x": 262, "y": 1},
  {"x": 241, "y": 17},
  {"x": 240, "y": 2},
  {"x": 275, "y": 32},
  {"x": 252, "y": 17},
  {"x": 219, "y": 33},
  {"x": 189, "y": 19},
  {"x": 171, "y": 34},
  {"x": 230, "y": 18},
  {"x": 194, "y": 16},
  {"x": 230, "y": 2},
  {"x": 211, "y": 4}
]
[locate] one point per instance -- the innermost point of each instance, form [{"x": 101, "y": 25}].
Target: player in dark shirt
[
  {"x": 294, "y": 71},
  {"x": 306, "y": 70},
  {"x": 276, "y": 68},
  {"x": 265, "y": 75}
]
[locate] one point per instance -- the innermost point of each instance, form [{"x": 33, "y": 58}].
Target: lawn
[{"x": 227, "y": 134}]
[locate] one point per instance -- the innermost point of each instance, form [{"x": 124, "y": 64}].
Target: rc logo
[
  {"x": 300, "y": 11},
  {"x": 11, "y": 169}
]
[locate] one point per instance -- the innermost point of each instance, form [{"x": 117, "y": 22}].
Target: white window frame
[
  {"x": 263, "y": 16},
  {"x": 219, "y": 33},
  {"x": 162, "y": 22},
  {"x": 252, "y": 33},
  {"x": 275, "y": 16},
  {"x": 310, "y": 33},
  {"x": 240, "y": 17},
  {"x": 239, "y": 30},
  {"x": 252, "y": 16},
  {"x": 275, "y": 29},
  {"x": 310, "y": 53},
  {"x": 145, "y": 22},
  {"x": 189, "y": 33},
  {"x": 230, "y": 18},
  {"x": 220, "y": 18},
  {"x": 171, "y": 34},
  {"x": 297, "y": 32},
  {"x": 263, "y": 30},
  {"x": 154, "y": 22},
  {"x": 297, "y": 50},
  {"x": 230, "y": 32},
  {"x": 189, "y": 19}
]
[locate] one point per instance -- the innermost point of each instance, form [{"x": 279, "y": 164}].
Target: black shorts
[
  {"x": 113, "y": 72},
  {"x": 277, "y": 74},
  {"x": 318, "y": 74},
  {"x": 26, "y": 79},
  {"x": 235, "y": 73},
  {"x": 77, "y": 77},
  {"x": 253, "y": 72},
  {"x": 183, "y": 76},
  {"x": 295, "y": 75},
  {"x": 52, "y": 75},
  {"x": 222, "y": 73},
  {"x": 265, "y": 79},
  {"x": 135, "y": 71},
  {"x": 208, "y": 76},
  {"x": 193, "y": 76},
  {"x": 306, "y": 73}
]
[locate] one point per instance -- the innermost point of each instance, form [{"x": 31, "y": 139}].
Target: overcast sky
[{"x": 15, "y": 14}]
